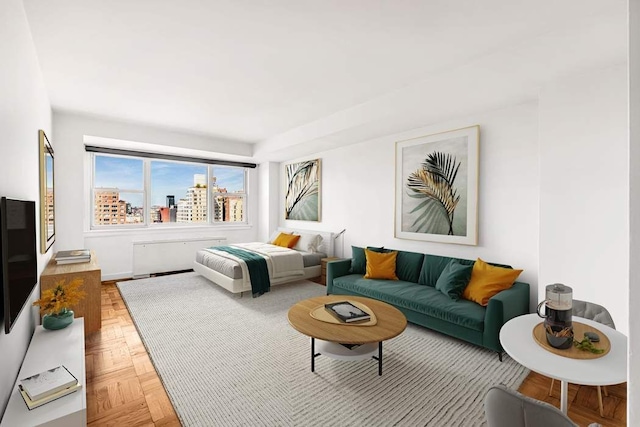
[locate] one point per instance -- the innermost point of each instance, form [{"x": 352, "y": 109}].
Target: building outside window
[
  {"x": 126, "y": 187},
  {"x": 118, "y": 193},
  {"x": 185, "y": 182},
  {"x": 228, "y": 194}
]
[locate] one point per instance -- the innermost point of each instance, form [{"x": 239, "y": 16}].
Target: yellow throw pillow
[
  {"x": 487, "y": 280},
  {"x": 381, "y": 265},
  {"x": 286, "y": 240}
]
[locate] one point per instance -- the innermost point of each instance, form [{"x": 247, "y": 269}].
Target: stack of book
[
  {"x": 72, "y": 257},
  {"x": 347, "y": 312},
  {"x": 47, "y": 386}
]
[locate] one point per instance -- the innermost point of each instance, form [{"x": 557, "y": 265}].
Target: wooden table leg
[{"x": 600, "y": 401}]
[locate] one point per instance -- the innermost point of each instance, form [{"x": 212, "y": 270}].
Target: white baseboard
[{"x": 116, "y": 276}]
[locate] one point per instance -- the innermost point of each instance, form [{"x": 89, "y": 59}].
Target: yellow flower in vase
[{"x": 55, "y": 303}]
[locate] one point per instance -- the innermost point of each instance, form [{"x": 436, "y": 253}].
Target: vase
[{"x": 57, "y": 321}]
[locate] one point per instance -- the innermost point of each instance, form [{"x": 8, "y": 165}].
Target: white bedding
[{"x": 281, "y": 262}]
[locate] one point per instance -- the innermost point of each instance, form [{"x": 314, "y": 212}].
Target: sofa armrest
[
  {"x": 335, "y": 269},
  {"x": 504, "y": 306}
]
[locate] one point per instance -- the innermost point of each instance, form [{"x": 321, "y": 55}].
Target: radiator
[{"x": 161, "y": 256}]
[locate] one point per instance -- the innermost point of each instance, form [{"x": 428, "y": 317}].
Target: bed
[{"x": 303, "y": 261}]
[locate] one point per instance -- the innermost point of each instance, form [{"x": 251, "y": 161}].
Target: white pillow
[
  {"x": 323, "y": 245},
  {"x": 308, "y": 242}
]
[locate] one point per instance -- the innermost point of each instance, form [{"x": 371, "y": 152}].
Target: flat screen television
[{"x": 19, "y": 264}]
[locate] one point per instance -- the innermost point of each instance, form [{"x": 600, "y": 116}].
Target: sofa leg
[{"x": 499, "y": 355}]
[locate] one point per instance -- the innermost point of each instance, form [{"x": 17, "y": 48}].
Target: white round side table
[{"x": 516, "y": 337}]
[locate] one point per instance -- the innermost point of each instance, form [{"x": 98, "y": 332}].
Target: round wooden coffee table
[{"x": 331, "y": 336}]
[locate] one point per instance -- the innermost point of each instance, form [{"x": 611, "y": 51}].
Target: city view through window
[{"x": 178, "y": 192}]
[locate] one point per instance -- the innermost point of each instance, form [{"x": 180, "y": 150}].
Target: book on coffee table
[{"x": 346, "y": 312}]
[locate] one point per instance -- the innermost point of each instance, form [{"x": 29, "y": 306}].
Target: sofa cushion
[
  {"x": 418, "y": 298},
  {"x": 408, "y": 266},
  {"x": 358, "y": 260},
  {"x": 432, "y": 268},
  {"x": 487, "y": 280},
  {"x": 454, "y": 279},
  {"x": 434, "y": 265},
  {"x": 381, "y": 265}
]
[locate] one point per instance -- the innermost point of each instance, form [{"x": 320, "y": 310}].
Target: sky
[{"x": 167, "y": 178}]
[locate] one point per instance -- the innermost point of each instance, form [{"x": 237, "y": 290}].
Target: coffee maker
[{"x": 557, "y": 316}]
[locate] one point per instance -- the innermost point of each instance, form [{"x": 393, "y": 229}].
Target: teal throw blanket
[{"x": 257, "y": 266}]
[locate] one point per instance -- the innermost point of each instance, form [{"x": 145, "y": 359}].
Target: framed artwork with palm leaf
[
  {"x": 437, "y": 187},
  {"x": 302, "y": 200}
]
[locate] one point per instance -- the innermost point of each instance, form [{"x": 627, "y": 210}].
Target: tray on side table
[{"x": 572, "y": 352}]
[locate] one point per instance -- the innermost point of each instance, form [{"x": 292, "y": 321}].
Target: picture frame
[
  {"x": 437, "y": 187},
  {"x": 302, "y": 191},
  {"x": 47, "y": 194}
]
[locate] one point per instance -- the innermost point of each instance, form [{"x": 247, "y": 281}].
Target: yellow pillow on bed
[{"x": 286, "y": 240}]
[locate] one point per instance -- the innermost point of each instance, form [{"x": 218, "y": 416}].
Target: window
[
  {"x": 118, "y": 191},
  {"x": 228, "y": 194},
  {"x": 178, "y": 192},
  {"x": 131, "y": 191}
]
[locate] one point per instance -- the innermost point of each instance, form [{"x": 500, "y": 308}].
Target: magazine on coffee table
[{"x": 346, "y": 312}]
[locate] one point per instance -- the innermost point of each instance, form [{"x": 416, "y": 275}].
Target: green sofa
[{"x": 416, "y": 296}]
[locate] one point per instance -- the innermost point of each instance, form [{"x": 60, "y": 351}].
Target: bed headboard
[{"x": 327, "y": 243}]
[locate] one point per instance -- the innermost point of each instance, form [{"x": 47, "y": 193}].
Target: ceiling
[{"x": 291, "y": 74}]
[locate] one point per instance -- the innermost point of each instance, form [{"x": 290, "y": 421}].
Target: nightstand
[{"x": 323, "y": 269}]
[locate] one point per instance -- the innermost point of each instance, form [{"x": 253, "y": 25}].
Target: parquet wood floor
[
  {"x": 583, "y": 401},
  {"x": 123, "y": 388}
]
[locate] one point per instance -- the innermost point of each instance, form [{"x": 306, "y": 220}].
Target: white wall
[
  {"x": 24, "y": 108},
  {"x": 268, "y": 189},
  {"x": 633, "y": 395},
  {"x": 584, "y": 188},
  {"x": 358, "y": 192},
  {"x": 114, "y": 249}
]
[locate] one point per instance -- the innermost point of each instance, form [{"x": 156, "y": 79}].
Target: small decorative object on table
[
  {"x": 559, "y": 338},
  {"x": 346, "y": 312},
  {"x": 587, "y": 343},
  {"x": 55, "y": 303},
  {"x": 557, "y": 315}
]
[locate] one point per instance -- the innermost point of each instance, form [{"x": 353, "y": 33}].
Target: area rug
[{"x": 231, "y": 361}]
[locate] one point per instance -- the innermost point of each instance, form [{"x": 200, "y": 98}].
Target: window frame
[
  {"x": 92, "y": 218},
  {"x": 242, "y": 195},
  {"x": 146, "y": 197}
]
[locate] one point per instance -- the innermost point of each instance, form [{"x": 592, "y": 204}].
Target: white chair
[
  {"x": 597, "y": 313},
  {"x": 507, "y": 408}
]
